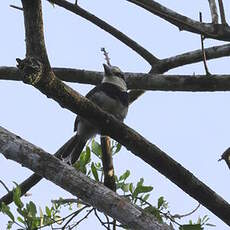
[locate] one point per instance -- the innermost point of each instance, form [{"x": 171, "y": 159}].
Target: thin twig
[
  {"x": 98, "y": 217},
  {"x": 222, "y": 13},
  {"x": 74, "y": 215},
  {"x": 4, "y": 185},
  {"x": 213, "y": 10},
  {"x": 82, "y": 218},
  {"x": 114, "y": 224},
  {"x": 107, "y": 218},
  {"x": 149, "y": 57},
  {"x": 16, "y": 7},
  {"x": 203, "y": 50},
  {"x": 106, "y": 54},
  {"x": 187, "y": 214}
]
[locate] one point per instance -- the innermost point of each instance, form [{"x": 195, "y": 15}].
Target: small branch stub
[
  {"x": 106, "y": 54},
  {"x": 31, "y": 69},
  {"x": 226, "y": 156},
  {"x": 202, "y": 37}
]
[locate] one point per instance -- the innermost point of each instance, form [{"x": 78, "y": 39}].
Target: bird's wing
[{"x": 89, "y": 95}]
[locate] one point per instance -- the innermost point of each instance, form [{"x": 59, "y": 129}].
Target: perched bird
[{"x": 111, "y": 95}]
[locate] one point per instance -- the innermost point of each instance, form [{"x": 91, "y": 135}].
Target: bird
[{"x": 111, "y": 96}]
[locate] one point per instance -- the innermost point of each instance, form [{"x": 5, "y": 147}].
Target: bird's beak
[{"x": 107, "y": 70}]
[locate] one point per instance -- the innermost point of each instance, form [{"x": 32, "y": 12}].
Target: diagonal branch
[
  {"x": 191, "y": 57},
  {"x": 76, "y": 9},
  {"x": 209, "y": 30},
  {"x": 31, "y": 181},
  {"x": 108, "y": 125},
  {"x": 37, "y": 73},
  {"x": 97, "y": 195}
]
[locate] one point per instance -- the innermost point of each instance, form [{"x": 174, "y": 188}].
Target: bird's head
[{"x": 115, "y": 76}]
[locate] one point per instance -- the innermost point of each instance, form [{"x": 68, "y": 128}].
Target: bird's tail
[{"x": 73, "y": 149}]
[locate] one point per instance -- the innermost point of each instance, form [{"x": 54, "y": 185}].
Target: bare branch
[
  {"x": 106, "y": 54},
  {"x": 142, "y": 81},
  {"x": 213, "y": 10},
  {"x": 150, "y": 58},
  {"x": 203, "y": 51},
  {"x": 191, "y": 57},
  {"x": 226, "y": 156},
  {"x": 220, "y": 32},
  {"x": 27, "y": 184},
  {"x": 4, "y": 185},
  {"x": 152, "y": 155},
  {"x": 36, "y": 72},
  {"x": 222, "y": 14},
  {"x": 107, "y": 162},
  {"x": 16, "y": 7},
  {"x": 100, "y": 197}
]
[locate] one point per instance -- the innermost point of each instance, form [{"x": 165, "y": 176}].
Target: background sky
[{"x": 193, "y": 128}]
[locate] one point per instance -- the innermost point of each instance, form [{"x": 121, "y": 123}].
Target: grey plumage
[{"x": 111, "y": 95}]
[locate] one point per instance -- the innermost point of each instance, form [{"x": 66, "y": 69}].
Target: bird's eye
[{"x": 120, "y": 74}]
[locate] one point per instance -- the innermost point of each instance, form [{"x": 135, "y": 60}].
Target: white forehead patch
[{"x": 116, "y": 69}]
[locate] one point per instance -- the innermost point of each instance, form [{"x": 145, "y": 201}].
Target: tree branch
[
  {"x": 222, "y": 13},
  {"x": 191, "y": 57},
  {"x": 209, "y": 30},
  {"x": 213, "y": 10},
  {"x": 31, "y": 181},
  {"x": 107, "y": 162},
  {"x": 76, "y": 9},
  {"x": 37, "y": 73},
  {"x": 65, "y": 176},
  {"x": 191, "y": 83},
  {"x": 134, "y": 142}
]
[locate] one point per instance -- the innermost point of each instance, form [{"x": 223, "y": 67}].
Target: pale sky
[{"x": 193, "y": 128}]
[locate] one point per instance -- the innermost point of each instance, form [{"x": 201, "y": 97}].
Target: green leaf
[
  {"x": 32, "y": 210},
  {"x": 160, "y": 202},
  {"x": 154, "y": 211},
  {"x": 94, "y": 171},
  {"x": 191, "y": 227},
  {"x": 146, "y": 197},
  {"x": 118, "y": 148},
  {"x": 17, "y": 197},
  {"x": 6, "y": 210},
  {"x": 48, "y": 212},
  {"x": 141, "y": 189},
  {"x": 87, "y": 155},
  {"x": 140, "y": 183},
  {"x": 125, "y": 175},
  {"x": 96, "y": 148},
  {"x": 131, "y": 188},
  {"x": 20, "y": 220},
  {"x": 125, "y": 187},
  {"x": 9, "y": 224}
]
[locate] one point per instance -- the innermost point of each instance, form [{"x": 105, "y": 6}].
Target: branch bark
[
  {"x": 107, "y": 162},
  {"x": 36, "y": 72},
  {"x": 213, "y": 10},
  {"x": 65, "y": 176},
  {"x": 142, "y": 81},
  {"x": 222, "y": 13},
  {"x": 191, "y": 57},
  {"x": 134, "y": 142},
  {"x": 31, "y": 181},
  {"x": 209, "y": 30},
  {"x": 76, "y": 9}
]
